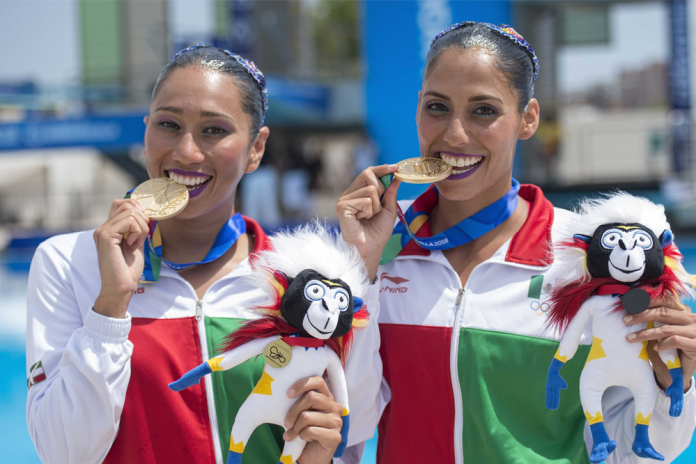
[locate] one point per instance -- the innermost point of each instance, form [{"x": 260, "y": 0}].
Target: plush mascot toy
[
  {"x": 305, "y": 329},
  {"x": 616, "y": 256}
]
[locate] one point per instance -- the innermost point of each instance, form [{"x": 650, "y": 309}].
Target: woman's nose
[
  {"x": 455, "y": 134},
  {"x": 187, "y": 150}
]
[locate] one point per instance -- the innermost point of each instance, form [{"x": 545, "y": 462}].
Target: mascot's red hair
[
  {"x": 305, "y": 328},
  {"x": 616, "y": 255}
]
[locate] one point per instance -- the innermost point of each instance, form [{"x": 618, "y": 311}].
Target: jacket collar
[
  {"x": 261, "y": 240},
  {"x": 529, "y": 246}
]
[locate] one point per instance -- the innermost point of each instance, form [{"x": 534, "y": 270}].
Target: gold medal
[
  {"x": 161, "y": 198},
  {"x": 278, "y": 353},
  {"x": 423, "y": 170}
]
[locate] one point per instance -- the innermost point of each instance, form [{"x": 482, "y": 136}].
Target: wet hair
[
  {"x": 207, "y": 57},
  {"x": 514, "y": 57}
]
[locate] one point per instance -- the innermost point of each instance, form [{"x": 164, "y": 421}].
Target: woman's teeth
[
  {"x": 191, "y": 182},
  {"x": 466, "y": 162}
]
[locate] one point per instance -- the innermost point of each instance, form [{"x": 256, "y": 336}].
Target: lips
[{"x": 463, "y": 165}]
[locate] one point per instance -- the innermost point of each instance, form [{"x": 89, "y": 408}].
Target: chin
[{"x": 459, "y": 190}]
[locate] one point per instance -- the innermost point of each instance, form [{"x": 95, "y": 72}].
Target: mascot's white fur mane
[
  {"x": 619, "y": 207},
  {"x": 311, "y": 246}
]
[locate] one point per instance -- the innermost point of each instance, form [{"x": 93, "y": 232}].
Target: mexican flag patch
[{"x": 36, "y": 375}]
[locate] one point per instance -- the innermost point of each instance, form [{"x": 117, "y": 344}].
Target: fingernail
[
  {"x": 393, "y": 166},
  {"x": 291, "y": 393},
  {"x": 287, "y": 424},
  {"x": 657, "y": 347},
  {"x": 628, "y": 318},
  {"x": 631, "y": 336},
  {"x": 285, "y": 436}
]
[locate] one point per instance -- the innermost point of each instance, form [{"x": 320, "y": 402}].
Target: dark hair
[
  {"x": 219, "y": 60},
  {"x": 511, "y": 58}
]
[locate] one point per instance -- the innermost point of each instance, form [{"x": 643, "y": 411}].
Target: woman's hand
[
  {"x": 367, "y": 222},
  {"x": 121, "y": 260},
  {"x": 678, "y": 332},
  {"x": 316, "y": 418}
]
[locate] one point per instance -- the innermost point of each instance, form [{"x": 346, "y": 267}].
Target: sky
[{"x": 40, "y": 41}]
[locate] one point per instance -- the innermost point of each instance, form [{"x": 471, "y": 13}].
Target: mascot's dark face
[
  {"x": 317, "y": 306},
  {"x": 626, "y": 252}
]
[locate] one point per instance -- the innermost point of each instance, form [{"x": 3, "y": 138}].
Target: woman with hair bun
[
  {"x": 116, "y": 314},
  {"x": 463, "y": 281}
]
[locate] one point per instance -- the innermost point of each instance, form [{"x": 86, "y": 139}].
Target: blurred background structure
[{"x": 615, "y": 91}]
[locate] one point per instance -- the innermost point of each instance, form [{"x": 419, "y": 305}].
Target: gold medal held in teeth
[
  {"x": 278, "y": 353},
  {"x": 422, "y": 170},
  {"x": 161, "y": 198}
]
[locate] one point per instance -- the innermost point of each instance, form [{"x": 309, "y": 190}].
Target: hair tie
[
  {"x": 505, "y": 31},
  {"x": 250, "y": 67}
]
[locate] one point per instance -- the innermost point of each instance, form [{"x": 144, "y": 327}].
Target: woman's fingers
[
  {"x": 314, "y": 419},
  {"x": 329, "y": 438},
  {"x": 369, "y": 192},
  {"x": 310, "y": 407},
  {"x": 662, "y": 314},
  {"x": 307, "y": 384},
  {"x": 661, "y": 332},
  {"x": 370, "y": 176}
]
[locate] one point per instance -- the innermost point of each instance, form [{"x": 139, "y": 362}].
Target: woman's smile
[
  {"x": 463, "y": 165},
  {"x": 195, "y": 182}
]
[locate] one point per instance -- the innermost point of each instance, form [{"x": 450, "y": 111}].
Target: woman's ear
[
  {"x": 257, "y": 150},
  {"x": 530, "y": 120}
]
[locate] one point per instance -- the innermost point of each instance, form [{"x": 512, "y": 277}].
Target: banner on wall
[{"x": 397, "y": 37}]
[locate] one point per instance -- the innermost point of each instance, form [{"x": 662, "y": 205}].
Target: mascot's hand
[
  {"x": 344, "y": 437},
  {"x": 554, "y": 384},
  {"x": 192, "y": 377},
  {"x": 676, "y": 392}
]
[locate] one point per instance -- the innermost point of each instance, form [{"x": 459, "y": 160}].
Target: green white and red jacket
[
  {"x": 98, "y": 386},
  {"x": 465, "y": 366}
]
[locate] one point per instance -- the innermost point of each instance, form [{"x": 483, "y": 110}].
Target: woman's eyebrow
[
  {"x": 212, "y": 114},
  {"x": 484, "y": 97},
  {"x": 437, "y": 94},
  {"x": 171, "y": 109}
]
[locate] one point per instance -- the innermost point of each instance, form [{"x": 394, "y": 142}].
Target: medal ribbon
[
  {"x": 612, "y": 289},
  {"x": 234, "y": 228},
  {"x": 228, "y": 235},
  {"x": 467, "y": 230},
  {"x": 303, "y": 341}
]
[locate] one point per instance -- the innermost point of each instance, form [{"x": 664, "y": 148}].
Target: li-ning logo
[{"x": 395, "y": 280}]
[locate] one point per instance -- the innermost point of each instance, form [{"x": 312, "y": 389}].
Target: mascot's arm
[
  {"x": 339, "y": 389},
  {"x": 670, "y": 436},
  {"x": 566, "y": 350},
  {"x": 226, "y": 360}
]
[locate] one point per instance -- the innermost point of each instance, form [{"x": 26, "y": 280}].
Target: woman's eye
[
  {"x": 169, "y": 125},
  {"x": 485, "y": 111},
  {"x": 214, "y": 131},
  {"x": 436, "y": 107}
]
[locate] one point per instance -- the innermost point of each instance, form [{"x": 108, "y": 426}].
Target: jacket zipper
[
  {"x": 212, "y": 413},
  {"x": 454, "y": 370}
]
